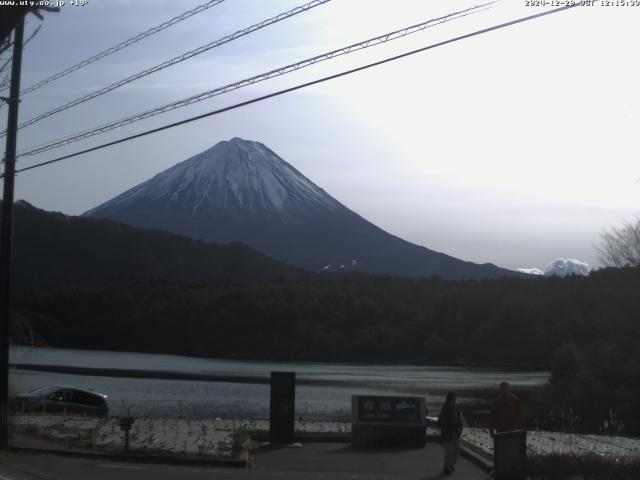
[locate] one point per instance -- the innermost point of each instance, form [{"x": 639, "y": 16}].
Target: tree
[
  {"x": 620, "y": 247},
  {"x": 567, "y": 364}
]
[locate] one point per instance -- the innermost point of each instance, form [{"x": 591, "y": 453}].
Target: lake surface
[{"x": 323, "y": 390}]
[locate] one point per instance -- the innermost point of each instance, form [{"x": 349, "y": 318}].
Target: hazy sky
[{"x": 515, "y": 147}]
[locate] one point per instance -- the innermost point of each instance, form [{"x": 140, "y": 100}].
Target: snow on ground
[
  {"x": 172, "y": 436},
  {"x": 539, "y": 442},
  {"x": 221, "y": 438},
  {"x": 69, "y": 430}
]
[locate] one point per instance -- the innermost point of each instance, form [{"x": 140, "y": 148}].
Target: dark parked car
[{"x": 55, "y": 398}]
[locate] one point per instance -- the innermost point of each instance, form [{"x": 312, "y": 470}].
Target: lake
[{"x": 323, "y": 390}]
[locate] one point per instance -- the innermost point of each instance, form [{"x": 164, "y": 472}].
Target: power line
[
  {"x": 5, "y": 45},
  {"x": 175, "y": 60},
  {"x": 122, "y": 45},
  {"x": 303, "y": 85},
  {"x": 255, "y": 79}
]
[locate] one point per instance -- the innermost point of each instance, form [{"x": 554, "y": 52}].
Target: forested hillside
[
  {"x": 55, "y": 250},
  {"x": 355, "y": 317}
]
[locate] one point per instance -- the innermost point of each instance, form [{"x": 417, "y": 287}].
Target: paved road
[{"x": 316, "y": 461}]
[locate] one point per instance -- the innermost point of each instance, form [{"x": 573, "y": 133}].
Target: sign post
[
  {"x": 125, "y": 425},
  {"x": 397, "y": 421}
]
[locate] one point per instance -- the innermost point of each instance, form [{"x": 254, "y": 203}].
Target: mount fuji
[{"x": 240, "y": 190}]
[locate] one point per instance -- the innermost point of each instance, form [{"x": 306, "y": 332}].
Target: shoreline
[
  {"x": 455, "y": 364},
  {"x": 198, "y": 377}
]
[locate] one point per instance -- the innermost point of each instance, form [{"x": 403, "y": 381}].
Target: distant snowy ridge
[
  {"x": 560, "y": 267},
  {"x": 531, "y": 271}
]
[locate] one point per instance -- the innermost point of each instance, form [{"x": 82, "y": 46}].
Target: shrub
[{"x": 561, "y": 466}]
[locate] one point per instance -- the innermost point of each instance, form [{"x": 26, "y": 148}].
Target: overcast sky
[{"x": 515, "y": 147}]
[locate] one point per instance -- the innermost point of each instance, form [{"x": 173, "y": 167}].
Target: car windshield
[{"x": 43, "y": 390}]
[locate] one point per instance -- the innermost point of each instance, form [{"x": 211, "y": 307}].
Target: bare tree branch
[{"x": 620, "y": 247}]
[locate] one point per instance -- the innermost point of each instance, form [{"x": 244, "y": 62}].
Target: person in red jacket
[{"x": 506, "y": 414}]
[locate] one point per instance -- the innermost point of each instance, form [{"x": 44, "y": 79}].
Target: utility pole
[{"x": 7, "y": 227}]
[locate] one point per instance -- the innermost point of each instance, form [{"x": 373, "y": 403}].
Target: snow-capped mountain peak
[{"x": 237, "y": 174}]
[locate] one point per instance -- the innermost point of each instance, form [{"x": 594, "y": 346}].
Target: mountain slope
[
  {"x": 241, "y": 190},
  {"x": 56, "y": 250}
]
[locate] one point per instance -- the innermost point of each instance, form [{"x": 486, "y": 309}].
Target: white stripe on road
[{"x": 130, "y": 467}]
